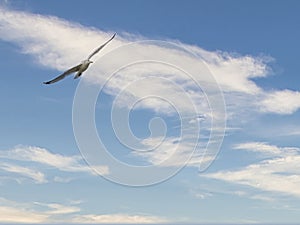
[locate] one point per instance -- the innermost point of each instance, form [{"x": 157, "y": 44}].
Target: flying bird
[{"x": 81, "y": 67}]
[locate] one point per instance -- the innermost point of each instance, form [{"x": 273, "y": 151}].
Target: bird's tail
[{"x": 77, "y": 75}]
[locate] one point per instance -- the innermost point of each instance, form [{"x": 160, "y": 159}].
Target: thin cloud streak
[
  {"x": 279, "y": 174},
  {"x": 169, "y": 149},
  {"x": 33, "y": 155},
  {"x": 42, "y": 213},
  {"x": 35, "y": 175}
]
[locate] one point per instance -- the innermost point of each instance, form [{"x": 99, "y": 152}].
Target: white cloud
[
  {"x": 117, "y": 219},
  {"x": 54, "y": 208},
  {"x": 258, "y": 147},
  {"x": 37, "y": 157},
  {"x": 289, "y": 131},
  {"x": 41, "y": 155},
  {"x": 266, "y": 149},
  {"x": 37, "y": 176},
  {"x": 16, "y": 212},
  {"x": 281, "y": 102},
  {"x": 263, "y": 198},
  {"x": 200, "y": 194},
  {"x": 16, "y": 215},
  {"x": 62, "y": 179},
  {"x": 51, "y": 40},
  {"x": 234, "y": 72},
  {"x": 278, "y": 174},
  {"x": 168, "y": 153}
]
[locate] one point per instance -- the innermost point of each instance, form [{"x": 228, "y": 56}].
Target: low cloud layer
[
  {"x": 16, "y": 212},
  {"x": 276, "y": 171}
]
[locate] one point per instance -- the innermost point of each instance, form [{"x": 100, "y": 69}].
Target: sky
[{"x": 189, "y": 115}]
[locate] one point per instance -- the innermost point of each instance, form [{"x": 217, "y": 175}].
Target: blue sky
[{"x": 245, "y": 52}]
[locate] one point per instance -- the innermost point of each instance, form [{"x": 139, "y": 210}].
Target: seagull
[{"x": 81, "y": 67}]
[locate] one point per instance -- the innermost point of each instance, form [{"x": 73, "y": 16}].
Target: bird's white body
[
  {"x": 85, "y": 64},
  {"x": 83, "y": 67}
]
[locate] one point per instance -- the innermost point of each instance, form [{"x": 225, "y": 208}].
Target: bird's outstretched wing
[
  {"x": 99, "y": 48},
  {"x": 62, "y": 76}
]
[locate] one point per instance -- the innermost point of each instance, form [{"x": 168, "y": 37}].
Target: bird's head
[{"x": 87, "y": 62}]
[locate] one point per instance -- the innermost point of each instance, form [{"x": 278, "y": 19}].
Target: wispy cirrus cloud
[
  {"x": 43, "y": 156},
  {"x": 279, "y": 173},
  {"x": 33, "y": 174},
  {"x": 258, "y": 147},
  {"x": 36, "y": 157},
  {"x": 171, "y": 152},
  {"x": 118, "y": 219},
  {"x": 234, "y": 72},
  {"x": 58, "y": 209},
  {"x": 263, "y": 148}
]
